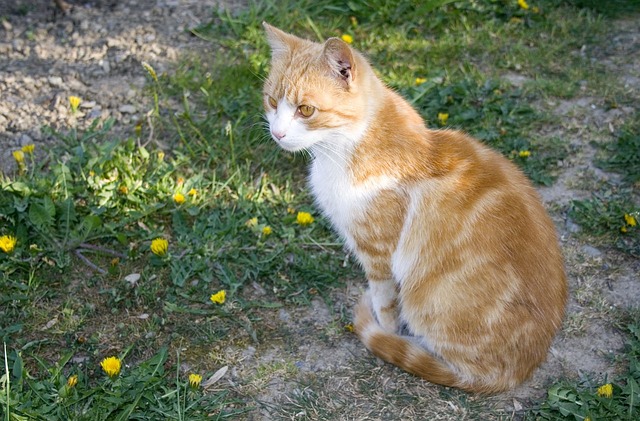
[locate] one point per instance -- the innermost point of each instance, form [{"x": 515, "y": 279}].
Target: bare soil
[{"x": 311, "y": 367}]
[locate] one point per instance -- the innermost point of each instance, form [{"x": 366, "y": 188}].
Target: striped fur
[{"x": 466, "y": 279}]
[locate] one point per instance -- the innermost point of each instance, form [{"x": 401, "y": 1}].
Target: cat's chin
[{"x": 292, "y": 146}]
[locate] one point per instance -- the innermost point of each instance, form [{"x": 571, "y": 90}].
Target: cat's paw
[{"x": 388, "y": 318}]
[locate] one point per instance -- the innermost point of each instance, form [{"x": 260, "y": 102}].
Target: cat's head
[{"x": 314, "y": 92}]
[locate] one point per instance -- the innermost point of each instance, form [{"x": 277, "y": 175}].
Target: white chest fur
[{"x": 339, "y": 197}]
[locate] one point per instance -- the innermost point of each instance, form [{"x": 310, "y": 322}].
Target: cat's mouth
[{"x": 291, "y": 145}]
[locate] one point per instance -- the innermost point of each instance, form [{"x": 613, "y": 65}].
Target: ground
[{"x": 310, "y": 367}]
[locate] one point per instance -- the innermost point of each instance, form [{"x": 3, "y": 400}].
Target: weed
[
  {"x": 143, "y": 391},
  {"x": 611, "y": 215},
  {"x": 623, "y": 154},
  {"x": 610, "y": 399}
]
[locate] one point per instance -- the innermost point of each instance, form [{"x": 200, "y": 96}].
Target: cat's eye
[
  {"x": 272, "y": 101},
  {"x": 306, "y": 110}
]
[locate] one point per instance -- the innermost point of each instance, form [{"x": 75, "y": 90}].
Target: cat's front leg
[
  {"x": 384, "y": 300},
  {"x": 375, "y": 258}
]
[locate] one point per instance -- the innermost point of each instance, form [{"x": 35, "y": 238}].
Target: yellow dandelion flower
[
  {"x": 123, "y": 189},
  {"x": 8, "y": 243},
  {"x": 179, "y": 198},
  {"x": 150, "y": 70},
  {"x": 192, "y": 192},
  {"x": 72, "y": 381},
  {"x": 251, "y": 222},
  {"x": 623, "y": 229},
  {"x": 74, "y": 102},
  {"x": 160, "y": 156},
  {"x": 349, "y": 327},
  {"x": 304, "y": 218},
  {"x": 291, "y": 210},
  {"x": 194, "y": 380},
  {"x": 267, "y": 231},
  {"x": 606, "y": 390},
  {"x": 523, "y": 4},
  {"x": 29, "y": 148},
  {"x": 420, "y": 80},
  {"x": 347, "y": 38},
  {"x": 524, "y": 154},
  {"x": 219, "y": 297},
  {"x": 18, "y": 156},
  {"x": 159, "y": 247},
  {"x": 442, "y": 118},
  {"x": 111, "y": 366},
  {"x": 630, "y": 220}
]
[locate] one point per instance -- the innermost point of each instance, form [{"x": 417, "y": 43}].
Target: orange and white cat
[{"x": 466, "y": 280}]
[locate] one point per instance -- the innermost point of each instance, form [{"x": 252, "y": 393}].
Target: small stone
[
  {"x": 120, "y": 56},
  {"x": 591, "y": 251},
  {"x": 88, "y": 104},
  {"x": 56, "y": 81},
  {"x": 95, "y": 112},
  {"x": 75, "y": 85},
  {"x": 127, "y": 109},
  {"x": 572, "y": 227},
  {"x": 248, "y": 353},
  {"x": 25, "y": 139},
  {"x": 18, "y": 44},
  {"x": 132, "y": 279},
  {"x": 68, "y": 27},
  {"x": 106, "y": 67},
  {"x": 284, "y": 315},
  {"x": 80, "y": 359}
]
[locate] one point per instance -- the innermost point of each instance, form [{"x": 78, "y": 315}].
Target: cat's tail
[{"x": 404, "y": 352}]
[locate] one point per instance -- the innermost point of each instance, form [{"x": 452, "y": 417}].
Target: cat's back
[{"x": 472, "y": 195}]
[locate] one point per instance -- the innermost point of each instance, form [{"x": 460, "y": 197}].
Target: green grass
[
  {"x": 612, "y": 213},
  {"x": 82, "y": 280},
  {"x": 623, "y": 154},
  {"x": 617, "y": 398}
]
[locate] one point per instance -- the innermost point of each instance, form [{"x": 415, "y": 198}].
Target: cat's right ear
[
  {"x": 279, "y": 40},
  {"x": 341, "y": 61}
]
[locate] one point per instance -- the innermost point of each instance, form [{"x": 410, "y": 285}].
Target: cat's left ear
[{"x": 341, "y": 60}]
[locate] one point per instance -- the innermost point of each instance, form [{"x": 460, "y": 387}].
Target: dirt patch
[{"x": 95, "y": 52}]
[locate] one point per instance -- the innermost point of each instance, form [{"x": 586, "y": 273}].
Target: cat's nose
[{"x": 278, "y": 134}]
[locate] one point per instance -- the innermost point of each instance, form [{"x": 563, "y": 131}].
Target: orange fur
[{"x": 466, "y": 280}]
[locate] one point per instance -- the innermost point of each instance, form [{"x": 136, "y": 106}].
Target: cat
[{"x": 466, "y": 281}]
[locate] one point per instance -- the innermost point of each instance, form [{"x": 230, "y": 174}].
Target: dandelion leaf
[{"x": 41, "y": 213}]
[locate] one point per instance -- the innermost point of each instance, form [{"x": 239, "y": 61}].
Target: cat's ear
[
  {"x": 341, "y": 60},
  {"x": 279, "y": 40}
]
